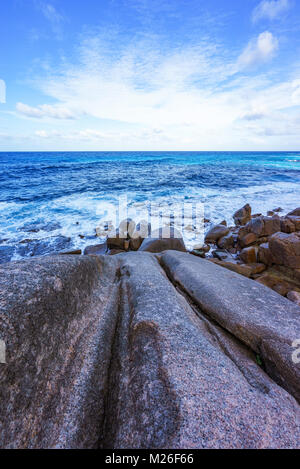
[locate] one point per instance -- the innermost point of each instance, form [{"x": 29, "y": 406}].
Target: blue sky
[{"x": 150, "y": 75}]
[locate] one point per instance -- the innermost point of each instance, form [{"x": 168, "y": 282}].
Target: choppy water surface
[{"x": 49, "y": 196}]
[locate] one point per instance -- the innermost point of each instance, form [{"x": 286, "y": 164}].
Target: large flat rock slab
[
  {"x": 107, "y": 352},
  {"x": 57, "y": 318},
  {"x": 179, "y": 381},
  {"x": 258, "y": 316}
]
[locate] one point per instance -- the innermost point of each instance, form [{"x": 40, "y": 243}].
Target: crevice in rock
[
  {"x": 223, "y": 337},
  {"x": 141, "y": 408}
]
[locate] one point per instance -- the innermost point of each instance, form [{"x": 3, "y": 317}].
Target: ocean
[{"x": 54, "y": 201}]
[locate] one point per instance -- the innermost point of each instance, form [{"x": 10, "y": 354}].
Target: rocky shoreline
[{"x": 263, "y": 248}]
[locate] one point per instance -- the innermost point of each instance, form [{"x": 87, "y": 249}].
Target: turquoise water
[{"x": 69, "y": 194}]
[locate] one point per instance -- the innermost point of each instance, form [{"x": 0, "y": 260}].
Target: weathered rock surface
[
  {"x": 96, "y": 249},
  {"x": 285, "y": 249},
  {"x": 259, "y": 317},
  {"x": 215, "y": 233},
  {"x": 249, "y": 255},
  {"x": 242, "y": 216},
  {"x": 108, "y": 352},
  {"x": 160, "y": 241}
]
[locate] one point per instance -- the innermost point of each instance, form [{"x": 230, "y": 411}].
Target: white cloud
[
  {"x": 270, "y": 9},
  {"x": 45, "y": 111},
  {"x": 260, "y": 50},
  {"x": 186, "y": 98},
  {"x": 52, "y": 15}
]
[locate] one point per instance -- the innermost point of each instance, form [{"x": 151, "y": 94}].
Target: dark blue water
[{"x": 68, "y": 193}]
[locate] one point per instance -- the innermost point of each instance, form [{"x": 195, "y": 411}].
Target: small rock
[
  {"x": 97, "y": 249},
  {"x": 281, "y": 289},
  {"x": 248, "y": 239},
  {"x": 243, "y": 215},
  {"x": 264, "y": 254},
  {"x": 215, "y": 233},
  {"x": 294, "y": 296},
  {"x": 221, "y": 255},
  {"x": 202, "y": 247},
  {"x": 270, "y": 213},
  {"x": 198, "y": 253},
  {"x": 226, "y": 242},
  {"x": 287, "y": 226},
  {"x": 278, "y": 209},
  {"x": 76, "y": 252},
  {"x": 249, "y": 255},
  {"x": 224, "y": 222}
]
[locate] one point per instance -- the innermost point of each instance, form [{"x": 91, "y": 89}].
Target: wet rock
[
  {"x": 163, "y": 240},
  {"x": 75, "y": 252},
  {"x": 224, "y": 222},
  {"x": 249, "y": 255},
  {"x": 278, "y": 209},
  {"x": 44, "y": 247},
  {"x": 97, "y": 249},
  {"x": 221, "y": 255},
  {"x": 270, "y": 213},
  {"x": 202, "y": 247},
  {"x": 243, "y": 215},
  {"x": 295, "y": 297},
  {"x": 36, "y": 227},
  {"x": 198, "y": 253},
  {"x": 215, "y": 233},
  {"x": 285, "y": 249},
  {"x": 6, "y": 253},
  {"x": 226, "y": 242}
]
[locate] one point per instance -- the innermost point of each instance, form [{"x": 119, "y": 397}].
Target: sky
[{"x": 112, "y": 75}]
